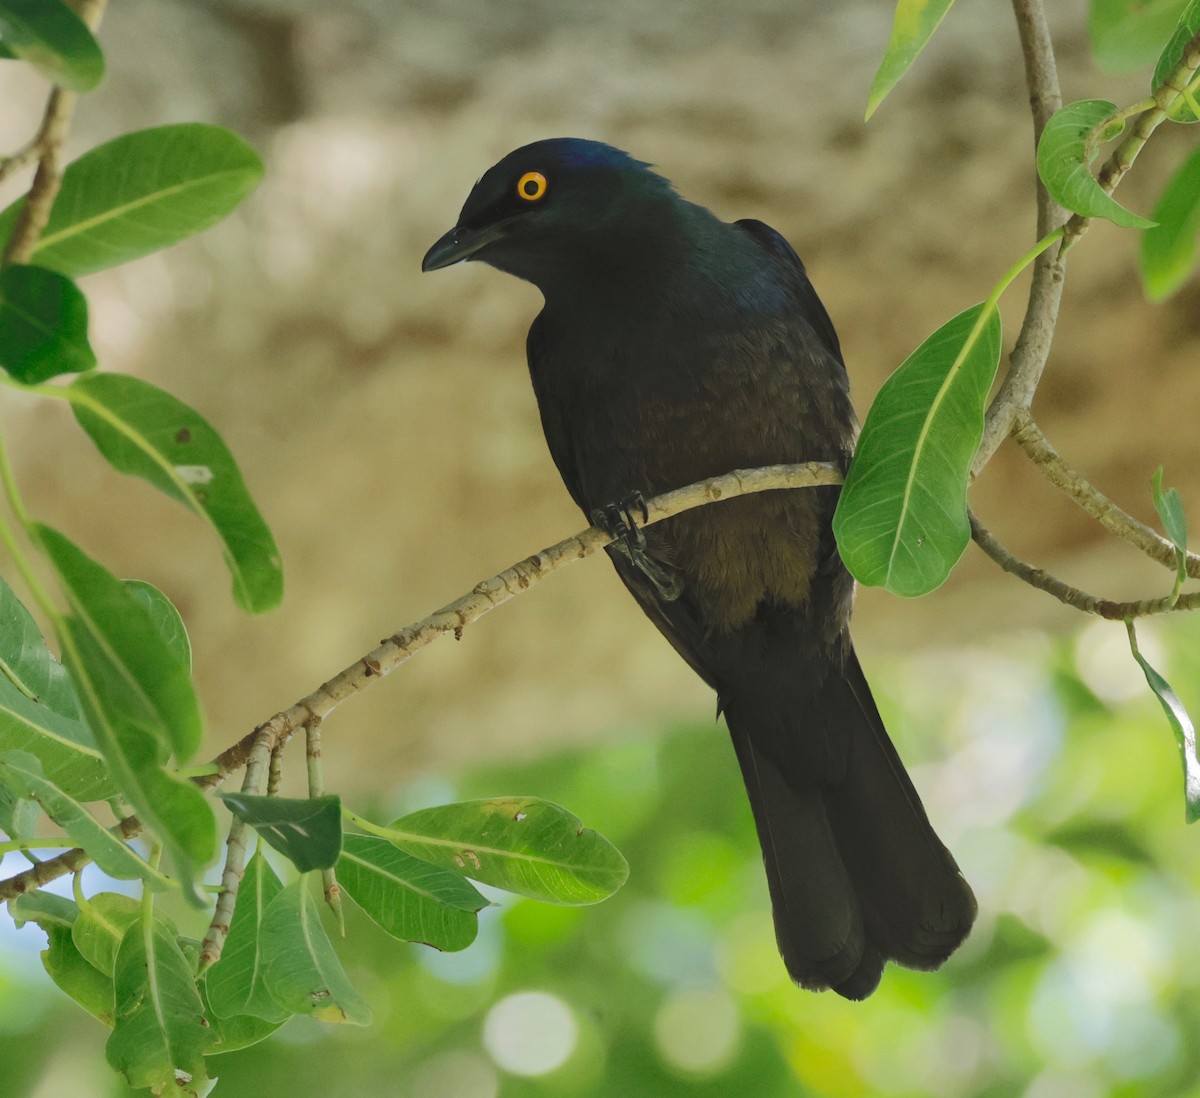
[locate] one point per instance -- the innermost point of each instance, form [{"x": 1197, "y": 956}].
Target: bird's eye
[{"x": 531, "y": 186}]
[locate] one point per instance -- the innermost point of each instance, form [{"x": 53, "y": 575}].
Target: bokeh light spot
[
  {"x": 698, "y": 1031},
  {"x": 530, "y": 1033}
]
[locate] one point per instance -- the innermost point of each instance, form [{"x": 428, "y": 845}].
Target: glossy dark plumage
[{"x": 674, "y": 346}]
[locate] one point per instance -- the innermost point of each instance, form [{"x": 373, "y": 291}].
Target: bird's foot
[{"x": 618, "y": 522}]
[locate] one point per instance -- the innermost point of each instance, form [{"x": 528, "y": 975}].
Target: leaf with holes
[
  {"x": 1066, "y": 149},
  {"x": 160, "y": 1035},
  {"x": 912, "y": 27},
  {"x": 901, "y": 522},
  {"x": 412, "y": 900},
  {"x": 148, "y": 433},
  {"x": 307, "y": 831},
  {"x": 520, "y": 844},
  {"x": 302, "y": 972},
  {"x": 43, "y": 324},
  {"x": 139, "y": 193},
  {"x": 50, "y": 36}
]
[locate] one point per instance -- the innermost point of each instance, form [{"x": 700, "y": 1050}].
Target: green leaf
[
  {"x": 139, "y": 701},
  {"x": 39, "y": 711},
  {"x": 235, "y": 984},
  {"x": 43, "y": 324},
  {"x": 65, "y": 965},
  {"x": 901, "y": 522},
  {"x": 303, "y": 974},
  {"x": 18, "y": 816},
  {"x": 237, "y": 1032},
  {"x": 44, "y": 908},
  {"x": 1169, "y": 249},
  {"x": 148, "y": 433},
  {"x": 1127, "y": 34},
  {"x": 1169, "y": 506},
  {"x": 1172, "y": 54},
  {"x": 49, "y": 35},
  {"x": 160, "y": 1035},
  {"x": 23, "y": 774},
  {"x": 913, "y": 26},
  {"x": 1181, "y": 725},
  {"x": 101, "y": 924},
  {"x": 521, "y": 844},
  {"x": 1067, "y": 147},
  {"x": 166, "y": 619},
  {"x": 133, "y": 662},
  {"x": 412, "y": 900},
  {"x": 142, "y": 192},
  {"x": 307, "y": 831}
]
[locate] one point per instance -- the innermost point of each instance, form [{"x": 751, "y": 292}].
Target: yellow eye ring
[{"x": 531, "y": 186}]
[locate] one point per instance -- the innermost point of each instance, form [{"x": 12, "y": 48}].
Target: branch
[
  {"x": 1072, "y": 596},
  {"x": 452, "y": 618},
  {"x": 1032, "y": 349},
  {"x": 47, "y": 145},
  {"x": 1123, "y": 156},
  {"x": 1114, "y": 519}
]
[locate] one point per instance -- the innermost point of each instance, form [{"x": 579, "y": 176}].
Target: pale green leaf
[
  {"x": 303, "y": 974},
  {"x": 1169, "y": 249},
  {"x": 160, "y": 1035},
  {"x": 912, "y": 27},
  {"x": 1066, "y": 149}
]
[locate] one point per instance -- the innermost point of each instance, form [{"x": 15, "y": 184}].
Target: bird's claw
[{"x": 617, "y": 521}]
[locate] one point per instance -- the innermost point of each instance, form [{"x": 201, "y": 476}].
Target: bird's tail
[{"x": 856, "y": 873}]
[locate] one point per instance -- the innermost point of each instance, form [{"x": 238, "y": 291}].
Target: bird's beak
[{"x": 460, "y": 243}]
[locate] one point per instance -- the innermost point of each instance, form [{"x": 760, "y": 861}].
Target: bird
[{"x": 671, "y": 347}]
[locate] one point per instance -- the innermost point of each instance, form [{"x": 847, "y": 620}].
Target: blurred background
[{"x": 384, "y": 421}]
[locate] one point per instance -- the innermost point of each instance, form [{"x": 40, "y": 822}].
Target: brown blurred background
[{"x": 384, "y": 419}]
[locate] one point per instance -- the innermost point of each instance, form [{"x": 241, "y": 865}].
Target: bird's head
[{"x": 551, "y": 207}]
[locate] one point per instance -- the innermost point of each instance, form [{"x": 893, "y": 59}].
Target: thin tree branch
[
  {"x": 1113, "y": 518},
  {"x": 1072, "y": 596},
  {"x": 1032, "y": 349},
  {"x": 1122, "y": 157},
  {"x": 48, "y": 143},
  {"x": 235, "y": 860},
  {"x": 452, "y": 618}
]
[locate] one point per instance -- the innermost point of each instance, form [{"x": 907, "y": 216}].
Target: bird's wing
[
  {"x": 785, "y": 255},
  {"x": 554, "y": 424}
]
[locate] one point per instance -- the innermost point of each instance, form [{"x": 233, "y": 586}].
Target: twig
[
  {"x": 1029, "y": 437},
  {"x": 1072, "y": 596},
  {"x": 1032, "y": 349},
  {"x": 1122, "y": 157},
  {"x": 235, "y": 861},
  {"x": 316, "y": 788},
  {"x": 48, "y": 144},
  {"x": 452, "y": 618}
]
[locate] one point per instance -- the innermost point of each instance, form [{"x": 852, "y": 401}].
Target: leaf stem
[
  {"x": 40, "y": 595},
  {"x": 60, "y": 843}
]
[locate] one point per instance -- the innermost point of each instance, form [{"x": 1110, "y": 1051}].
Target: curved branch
[
  {"x": 452, "y": 618},
  {"x": 1072, "y": 596},
  {"x": 1113, "y": 518}
]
